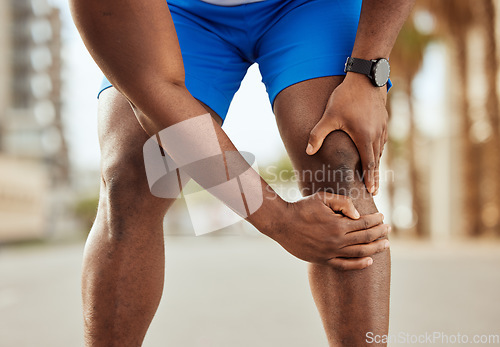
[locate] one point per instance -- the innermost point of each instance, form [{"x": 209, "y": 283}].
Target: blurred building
[{"x": 33, "y": 153}]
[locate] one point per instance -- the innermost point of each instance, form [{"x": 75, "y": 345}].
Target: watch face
[{"x": 381, "y": 72}]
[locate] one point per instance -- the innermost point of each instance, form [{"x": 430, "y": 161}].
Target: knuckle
[
  {"x": 318, "y": 195},
  {"x": 333, "y": 245},
  {"x": 385, "y": 230},
  {"x": 368, "y": 237},
  {"x": 366, "y": 224},
  {"x": 359, "y": 252},
  {"x": 357, "y": 240},
  {"x": 340, "y": 229},
  {"x": 344, "y": 229},
  {"x": 327, "y": 195},
  {"x": 325, "y": 248}
]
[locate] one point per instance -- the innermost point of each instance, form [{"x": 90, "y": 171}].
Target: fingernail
[
  {"x": 389, "y": 229},
  {"x": 309, "y": 149},
  {"x": 386, "y": 244},
  {"x": 370, "y": 261},
  {"x": 371, "y": 189},
  {"x": 356, "y": 214}
]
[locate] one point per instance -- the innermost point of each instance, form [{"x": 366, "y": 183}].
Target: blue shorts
[{"x": 290, "y": 40}]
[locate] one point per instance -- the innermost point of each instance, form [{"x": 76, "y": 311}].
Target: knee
[
  {"x": 125, "y": 196},
  {"x": 126, "y": 204},
  {"x": 339, "y": 151},
  {"x": 340, "y": 156},
  {"x": 123, "y": 178},
  {"x": 335, "y": 168}
]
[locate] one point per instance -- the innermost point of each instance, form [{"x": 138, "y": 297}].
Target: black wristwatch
[{"x": 377, "y": 70}]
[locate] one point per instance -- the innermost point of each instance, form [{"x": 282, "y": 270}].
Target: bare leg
[
  {"x": 123, "y": 268},
  {"x": 350, "y": 303}
]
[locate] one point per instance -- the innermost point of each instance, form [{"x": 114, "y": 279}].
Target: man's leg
[
  {"x": 350, "y": 303},
  {"x": 123, "y": 267}
]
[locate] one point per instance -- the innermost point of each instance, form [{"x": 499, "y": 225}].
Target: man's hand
[
  {"x": 357, "y": 108},
  {"x": 325, "y": 228}
]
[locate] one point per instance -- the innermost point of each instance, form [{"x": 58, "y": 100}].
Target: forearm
[
  {"x": 379, "y": 24},
  {"x": 174, "y": 111}
]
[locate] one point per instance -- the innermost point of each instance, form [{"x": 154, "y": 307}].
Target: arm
[
  {"x": 123, "y": 37},
  {"x": 356, "y": 106}
]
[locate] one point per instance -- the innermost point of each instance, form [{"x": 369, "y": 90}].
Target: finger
[
  {"x": 383, "y": 140},
  {"x": 368, "y": 164},
  {"x": 350, "y": 264},
  {"x": 377, "y": 149},
  {"x": 340, "y": 203},
  {"x": 364, "y": 250},
  {"x": 367, "y": 235},
  {"x": 318, "y": 135},
  {"x": 364, "y": 222}
]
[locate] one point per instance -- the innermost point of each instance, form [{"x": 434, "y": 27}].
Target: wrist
[
  {"x": 267, "y": 218},
  {"x": 361, "y": 83}
]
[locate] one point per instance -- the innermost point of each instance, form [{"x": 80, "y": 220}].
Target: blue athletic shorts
[{"x": 290, "y": 40}]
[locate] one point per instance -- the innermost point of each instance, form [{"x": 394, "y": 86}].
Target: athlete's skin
[{"x": 124, "y": 256}]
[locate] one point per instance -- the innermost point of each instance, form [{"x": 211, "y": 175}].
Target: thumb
[
  {"x": 318, "y": 135},
  {"x": 340, "y": 203}
]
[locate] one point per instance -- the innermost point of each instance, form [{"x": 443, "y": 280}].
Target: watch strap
[{"x": 359, "y": 66}]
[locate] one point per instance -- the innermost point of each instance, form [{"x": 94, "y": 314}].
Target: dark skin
[
  {"x": 350, "y": 303},
  {"x": 123, "y": 265},
  {"x": 356, "y": 107}
]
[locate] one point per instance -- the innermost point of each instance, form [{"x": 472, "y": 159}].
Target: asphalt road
[{"x": 245, "y": 291}]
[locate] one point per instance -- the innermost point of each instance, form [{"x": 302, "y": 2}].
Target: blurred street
[
  {"x": 439, "y": 189},
  {"x": 239, "y": 291}
]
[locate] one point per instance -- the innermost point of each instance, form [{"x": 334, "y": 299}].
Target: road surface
[{"x": 245, "y": 291}]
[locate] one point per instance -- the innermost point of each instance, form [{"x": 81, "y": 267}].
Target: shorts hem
[
  {"x": 209, "y": 95},
  {"x": 199, "y": 91},
  {"x": 103, "y": 89},
  {"x": 307, "y": 70},
  {"x": 332, "y": 65}
]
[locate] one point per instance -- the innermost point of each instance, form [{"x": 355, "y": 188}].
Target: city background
[{"x": 440, "y": 191}]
